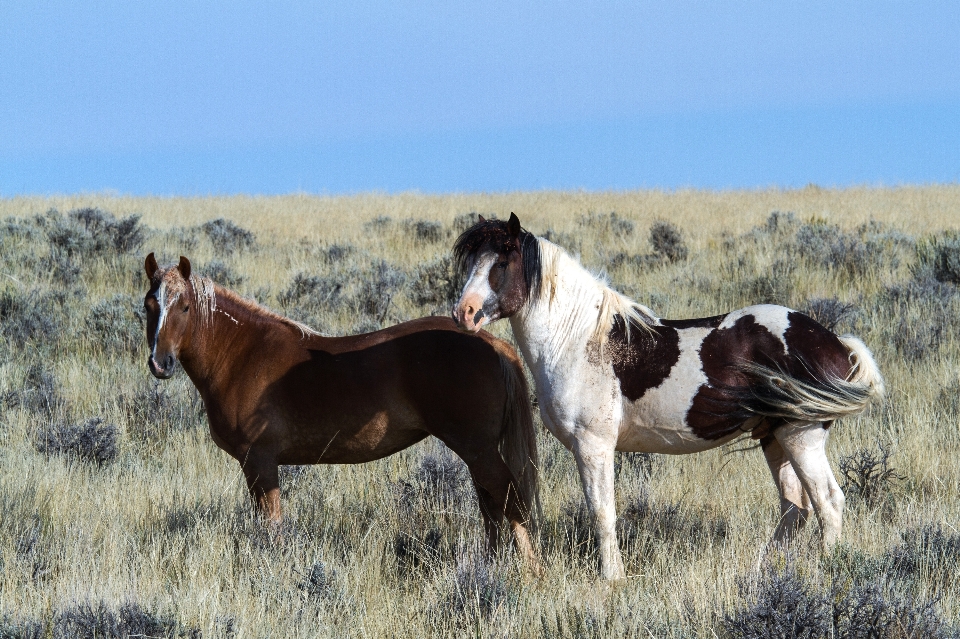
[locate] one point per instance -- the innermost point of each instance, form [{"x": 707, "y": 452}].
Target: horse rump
[{"x": 776, "y": 394}]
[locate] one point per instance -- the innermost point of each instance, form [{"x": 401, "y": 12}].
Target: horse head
[
  {"x": 168, "y": 305},
  {"x": 501, "y": 263}
]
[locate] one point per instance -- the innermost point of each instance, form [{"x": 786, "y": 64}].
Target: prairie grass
[{"x": 156, "y": 537}]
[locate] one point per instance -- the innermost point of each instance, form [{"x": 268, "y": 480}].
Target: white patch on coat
[{"x": 772, "y": 317}]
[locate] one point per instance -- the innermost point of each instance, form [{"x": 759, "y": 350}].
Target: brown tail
[{"x": 518, "y": 439}]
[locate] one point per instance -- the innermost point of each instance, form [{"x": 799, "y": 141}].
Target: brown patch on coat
[
  {"x": 812, "y": 354},
  {"x": 595, "y": 353},
  {"x": 645, "y": 360},
  {"x": 702, "y": 322},
  {"x": 507, "y": 282},
  {"x": 716, "y": 410},
  {"x": 817, "y": 347}
]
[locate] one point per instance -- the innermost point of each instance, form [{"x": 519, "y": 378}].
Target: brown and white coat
[{"x": 611, "y": 376}]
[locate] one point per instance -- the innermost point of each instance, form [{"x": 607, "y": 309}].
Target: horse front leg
[
  {"x": 263, "y": 482},
  {"x": 595, "y": 462}
]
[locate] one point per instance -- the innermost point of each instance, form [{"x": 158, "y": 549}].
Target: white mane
[
  {"x": 205, "y": 297},
  {"x": 205, "y": 292},
  {"x": 556, "y": 263}
]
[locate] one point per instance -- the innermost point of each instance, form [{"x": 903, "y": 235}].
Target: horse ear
[
  {"x": 184, "y": 267},
  {"x": 513, "y": 225},
  {"x": 480, "y": 218},
  {"x": 150, "y": 265}
]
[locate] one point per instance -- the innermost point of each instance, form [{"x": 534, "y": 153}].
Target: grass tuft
[
  {"x": 667, "y": 241},
  {"x": 93, "y": 441},
  {"x": 227, "y": 237}
]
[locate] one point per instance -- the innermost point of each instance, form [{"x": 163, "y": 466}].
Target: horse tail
[
  {"x": 518, "y": 439},
  {"x": 825, "y": 398},
  {"x": 864, "y": 369}
]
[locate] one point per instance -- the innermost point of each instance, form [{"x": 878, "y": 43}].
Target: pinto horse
[
  {"x": 611, "y": 376},
  {"x": 277, "y": 392}
]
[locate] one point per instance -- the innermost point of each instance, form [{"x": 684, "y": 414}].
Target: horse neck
[
  {"x": 221, "y": 329},
  {"x": 557, "y": 325}
]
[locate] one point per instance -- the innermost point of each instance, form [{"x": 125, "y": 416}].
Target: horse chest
[
  {"x": 574, "y": 398},
  {"x": 219, "y": 441}
]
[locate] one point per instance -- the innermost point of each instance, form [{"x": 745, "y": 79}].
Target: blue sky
[{"x": 205, "y": 98}]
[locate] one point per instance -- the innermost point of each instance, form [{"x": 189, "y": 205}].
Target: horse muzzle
[
  {"x": 164, "y": 368},
  {"x": 470, "y": 317}
]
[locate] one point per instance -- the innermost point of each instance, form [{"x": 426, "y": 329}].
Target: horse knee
[{"x": 837, "y": 505}]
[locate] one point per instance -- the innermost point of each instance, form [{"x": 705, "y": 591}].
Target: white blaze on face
[
  {"x": 477, "y": 290},
  {"x": 165, "y": 300},
  {"x": 479, "y": 282}
]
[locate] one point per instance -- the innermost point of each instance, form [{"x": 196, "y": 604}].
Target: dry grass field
[{"x": 120, "y": 517}]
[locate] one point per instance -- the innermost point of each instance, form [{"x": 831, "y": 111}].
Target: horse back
[{"x": 359, "y": 398}]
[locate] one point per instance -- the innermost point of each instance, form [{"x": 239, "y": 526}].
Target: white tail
[{"x": 865, "y": 370}]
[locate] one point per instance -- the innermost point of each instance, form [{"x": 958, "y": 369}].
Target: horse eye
[
  {"x": 186, "y": 308},
  {"x": 502, "y": 265}
]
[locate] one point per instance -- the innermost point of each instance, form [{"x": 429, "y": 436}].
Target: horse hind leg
[
  {"x": 794, "y": 500},
  {"x": 492, "y": 517},
  {"x": 805, "y": 447},
  {"x": 498, "y": 499}
]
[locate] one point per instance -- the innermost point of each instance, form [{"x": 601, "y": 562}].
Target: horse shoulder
[{"x": 641, "y": 360}]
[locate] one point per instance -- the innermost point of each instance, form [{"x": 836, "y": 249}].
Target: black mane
[{"x": 493, "y": 235}]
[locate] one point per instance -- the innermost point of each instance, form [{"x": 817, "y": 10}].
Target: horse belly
[
  {"x": 645, "y": 435},
  {"x": 356, "y": 440},
  {"x": 656, "y": 422}
]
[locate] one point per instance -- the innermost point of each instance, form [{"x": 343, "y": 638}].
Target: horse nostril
[{"x": 168, "y": 362}]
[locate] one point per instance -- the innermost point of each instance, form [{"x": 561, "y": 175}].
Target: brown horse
[{"x": 277, "y": 392}]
